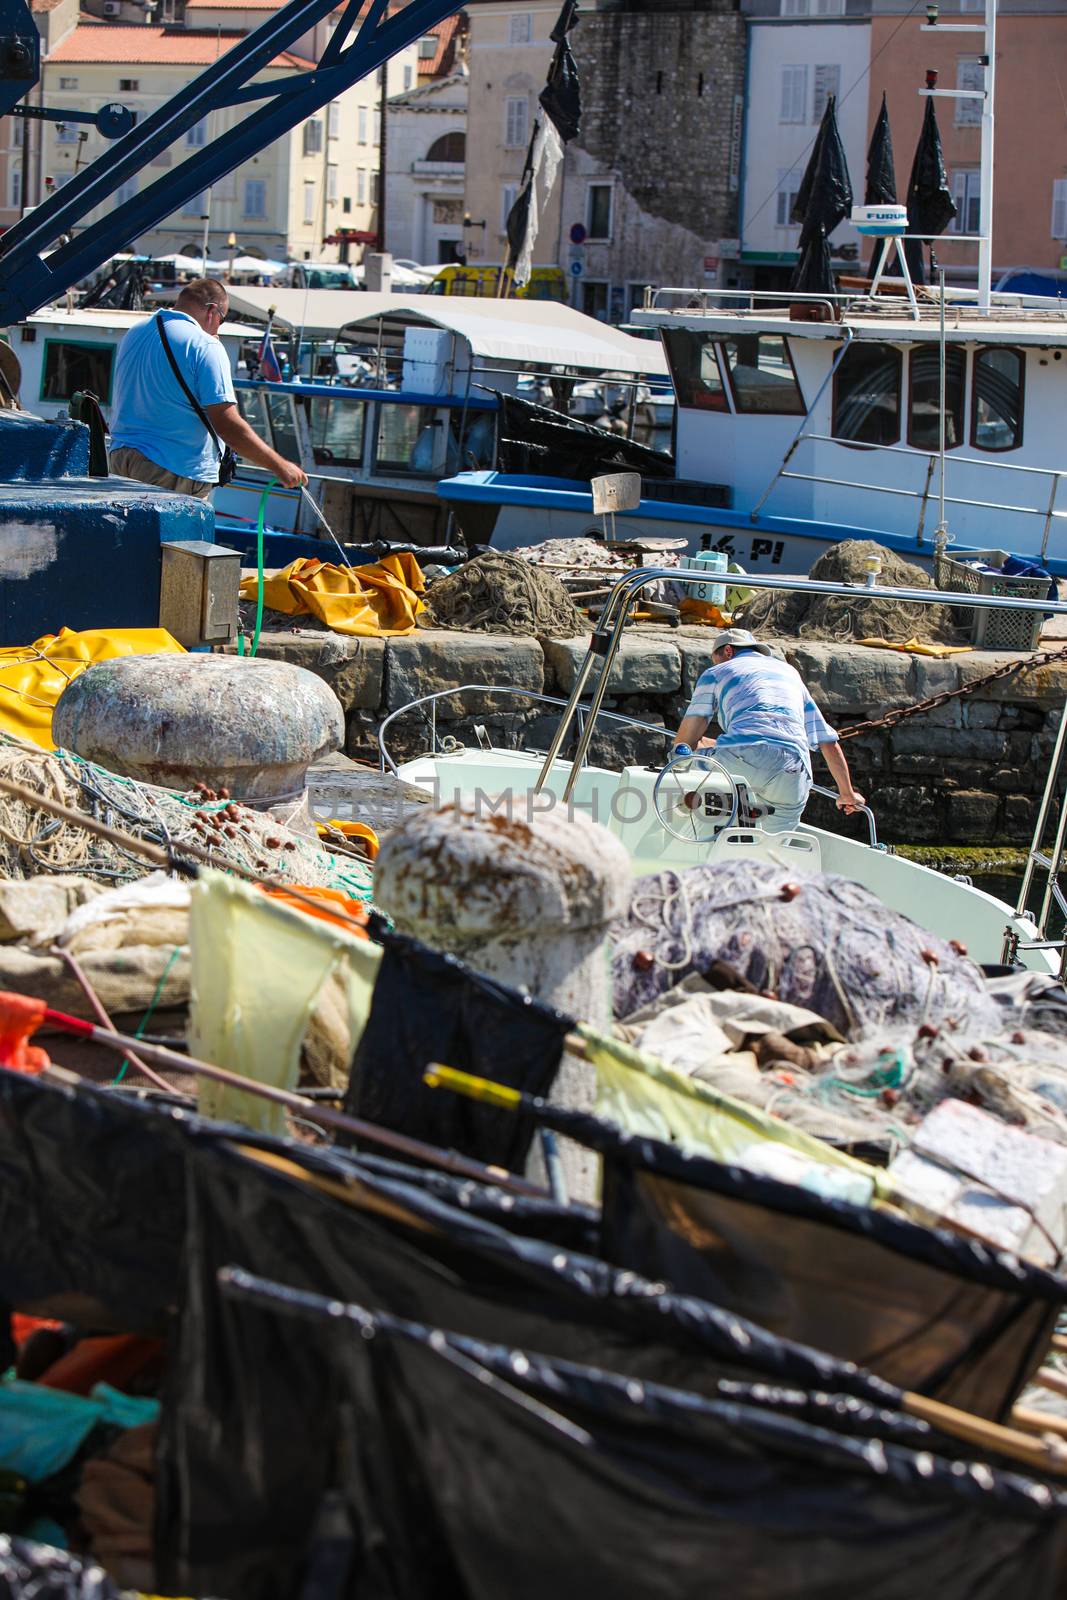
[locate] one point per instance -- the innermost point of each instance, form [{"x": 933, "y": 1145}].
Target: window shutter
[
  {"x": 1059, "y": 208},
  {"x": 970, "y": 74},
  {"x": 516, "y": 122},
  {"x": 507, "y": 200},
  {"x": 794, "y": 8},
  {"x": 827, "y": 83},
  {"x": 794, "y": 94}
]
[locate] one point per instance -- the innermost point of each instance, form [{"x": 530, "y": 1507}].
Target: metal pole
[
  {"x": 1046, "y": 808},
  {"x": 985, "y": 221},
  {"x": 941, "y": 536}
]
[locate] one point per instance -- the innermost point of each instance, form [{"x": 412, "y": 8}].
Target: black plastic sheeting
[
  {"x": 429, "y": 1007},
  {"x": 534, "y": 438},
  {"x": 473, "y": 1471},
  {"x": 926, "y": 1309},
  {"x": 881, "y": 188},
  {"x": 249, "y": 1431},
  {"x": 30, "y": 1571}
]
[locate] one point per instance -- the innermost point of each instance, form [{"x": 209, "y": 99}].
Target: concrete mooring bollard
[{"x": 527, "y": 901}]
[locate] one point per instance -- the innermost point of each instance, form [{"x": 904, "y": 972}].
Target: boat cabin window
[
  {"x": 997, "y": 400},
  {"x": 406, "y": 439},
  {"x": 694, "y": 365},
  {"x": 867, "y": 395},
  {"x": 337, "y": 432},
  {"x": 283, "y": 426},
  {"x": 924, "y": 408},
  {"x": 69, "y": 367},
  {"x": 252, "y": 404},
  {"x": 762, "y": 375}
]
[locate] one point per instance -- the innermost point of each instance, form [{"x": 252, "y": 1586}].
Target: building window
[
  {"x": 924, "y": 405},
  {"x": 18, "y": 133},
  {"x": 761, "y": 374},
  {"x": 409, "y": 73},
  {"x": 827, "y": 83},
  {"x": 449, "y": 147},
  {"x": 967, "y": 193},
  {"x": 997, "y": 399},
  {"x": 1058, "y": 227},
  {"x": 694, "y": 365},
  {"x": 333, "y": 120},
  {"x": 786, "y": 198},
  {"x": 970, "y": 74},
  {"x": 331, "y": 184},
  {"x": 196, "y": 137},
  {"x": 362, "y": 131},
  {"x": 346, "y": 204},
  {"x": 508, "y": 195},
  {"x": 125, "y": 192},
  {"x": 794, "y": 99},
  {"x": 813, "y": 8},
  {"x": 375, "y": 178},
  {"x": 867, "y": 395},
  {"x": 519, "y": 28},
  {"x": 196, "y": 205},
  {"x": 516, "y": 122},
  {"x": 361, "y": 187},
  {"x": 427, "y": 47},
  {"x": 66, "y": 133},
  {"x": 129, "y": 85},
  {"x": 376, "y": 126},
  {"x": 255, "y": 198},
  {"x": 309, "y": 202},
  {"x": 15, "y": 190},
  {"x": 67, "y": 84},
  {"x": 598, "y": 211},
  {"x": 313, "y": 136}
]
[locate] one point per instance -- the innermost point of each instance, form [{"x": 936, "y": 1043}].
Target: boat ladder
[{"x": 1048, "y": 861}]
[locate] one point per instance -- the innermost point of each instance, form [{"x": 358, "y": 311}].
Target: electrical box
[{"x": 198, "y": 592}]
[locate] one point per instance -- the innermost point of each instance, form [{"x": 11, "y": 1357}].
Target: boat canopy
[{"x": 537, "y": 333}]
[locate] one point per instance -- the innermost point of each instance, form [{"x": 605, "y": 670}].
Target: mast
[{"x": 985, "y": 221}]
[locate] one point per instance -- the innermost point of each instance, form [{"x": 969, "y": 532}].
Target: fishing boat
[{"x": 689, "y": 810}]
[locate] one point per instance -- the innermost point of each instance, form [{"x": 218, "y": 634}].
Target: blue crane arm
[{"x": 28, "y": 281}]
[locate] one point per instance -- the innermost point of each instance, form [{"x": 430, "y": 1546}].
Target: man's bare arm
[
  {"x": 233, "y": 430},
  {"x": 849, "y": 799}
]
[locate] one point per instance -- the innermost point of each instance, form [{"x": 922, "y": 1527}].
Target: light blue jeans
[{"x": 775, "y": 777}]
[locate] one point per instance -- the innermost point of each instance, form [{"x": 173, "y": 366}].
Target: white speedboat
[{"x": 691, "y": 811}]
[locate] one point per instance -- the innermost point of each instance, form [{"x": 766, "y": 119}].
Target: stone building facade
[{"x": 653, "y": 178}]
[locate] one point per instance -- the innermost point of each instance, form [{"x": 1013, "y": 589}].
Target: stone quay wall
[{"x": 969, "y": 772}]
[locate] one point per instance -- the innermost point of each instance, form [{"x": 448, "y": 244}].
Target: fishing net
[
  {"x": 32, "y": 841},
  {"x": 499, "y": 593},
  {"x": 829, "y": 616},
  {"x": 824, "y": 943}
]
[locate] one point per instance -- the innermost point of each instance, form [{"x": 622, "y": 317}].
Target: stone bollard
[{"x": 527, "y": 901}]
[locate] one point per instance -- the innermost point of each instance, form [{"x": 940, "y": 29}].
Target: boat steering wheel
[{"x": 695, "y": 797}]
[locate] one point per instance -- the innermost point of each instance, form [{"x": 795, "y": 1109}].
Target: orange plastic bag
[{"x": 334, "y": 907}]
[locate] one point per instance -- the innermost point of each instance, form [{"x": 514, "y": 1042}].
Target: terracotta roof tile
[
  {"x": 139, "y": 45},
  {"x": 445, "y": 34}
]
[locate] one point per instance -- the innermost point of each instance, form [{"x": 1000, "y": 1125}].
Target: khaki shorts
[{"x": 126, "y": 462}]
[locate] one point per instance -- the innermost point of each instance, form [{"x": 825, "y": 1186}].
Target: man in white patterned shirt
[{"x": 770, "y": 724}]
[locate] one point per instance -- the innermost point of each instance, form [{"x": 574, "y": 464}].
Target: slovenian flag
[{"x": 269, "y": 368}]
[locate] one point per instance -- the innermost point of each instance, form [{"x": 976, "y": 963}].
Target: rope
[{"x": 499, "y": 593}]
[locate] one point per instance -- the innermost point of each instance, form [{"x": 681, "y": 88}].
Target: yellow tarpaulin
[
  {"x": 378, "y": 599},
  {"x": 645, "y": 1096},
  {"x": 919, "y": 647},
  {"x": 33, "y": 676}
]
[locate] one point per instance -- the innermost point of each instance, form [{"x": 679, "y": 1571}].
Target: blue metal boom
[{"x": 28, "y": 282}]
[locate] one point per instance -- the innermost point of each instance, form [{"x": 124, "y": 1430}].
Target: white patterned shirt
[{"x": 757, "y": 699}]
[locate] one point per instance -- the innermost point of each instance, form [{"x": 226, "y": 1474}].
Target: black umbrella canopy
[
  {"x": 823, "y": 200},
  {"x": 825, "y": 195},
  {"x": 881, "y": 187},
  {"x": 930, "y": 204}
]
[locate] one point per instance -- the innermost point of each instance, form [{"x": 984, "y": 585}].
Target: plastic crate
[{"x": 991, "y": 628}]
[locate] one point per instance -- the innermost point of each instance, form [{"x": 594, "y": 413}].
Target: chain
[{"x": 892, "y": 718}]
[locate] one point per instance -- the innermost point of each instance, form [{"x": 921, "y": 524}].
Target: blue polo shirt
[{"x": 150, "y": 412}]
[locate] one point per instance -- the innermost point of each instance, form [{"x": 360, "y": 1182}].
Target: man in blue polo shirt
[
  {"x": 770, "y": 724},
  {"x": 157, "y": 436}
]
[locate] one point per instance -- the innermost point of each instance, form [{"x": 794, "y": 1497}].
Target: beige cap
[{"x": 741, "y": 639}]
